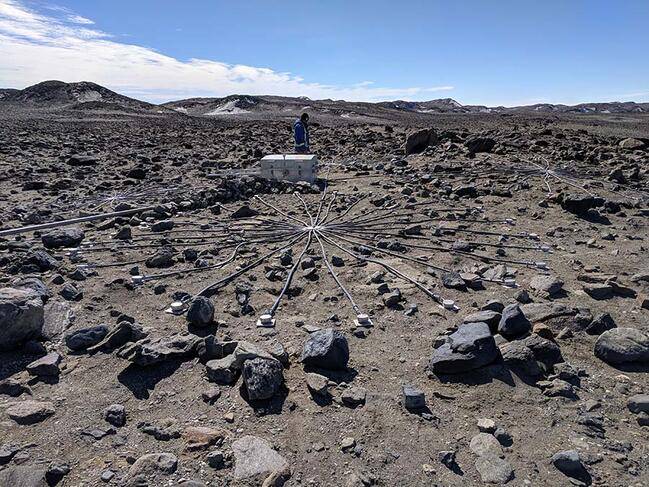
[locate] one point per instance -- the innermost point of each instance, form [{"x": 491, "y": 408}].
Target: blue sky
[{"x": 475, "y": 51}]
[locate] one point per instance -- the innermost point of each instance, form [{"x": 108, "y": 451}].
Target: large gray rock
[
  {"x": 248, "y": 351},
  {"x": 638, "y": 403},
  {"x": 24, "y": 476},
  {"x": 413, "y": 399},
  {"x": 152, "y": 465},
  {"x": 493, "y": 469},
  {"x": 262, "y": 377},
  {"x": 63, "y": 237},
  {"x": 520, "y": 358},
  {"x": 622, "y": 345},
  {"x": 600, "y": 324},
  {"x": 21, "y": 316},
  {"x": 47, "y": 366},
  {"x": 538, "y": 312},
  {"x": 546, "y": 286},
  {"x": 513, "y": 322},
  {"x": 255, "y": 457},
  {"x": 492, "y": 318},
  {"x": 79, "y": 340},
  {"x": 480, "y": 144},
  {"x": 545, "y": 351},
  {"x": 211, "y": 348},
  {"x": 115, "y": 414},
  {"x": 222, "y": 370},
  {"x": 40, "y": 260},
  {"x": 569, "y": 463},
  {"x": 146, "y": 352},
  {"x": 484, "y": 443},
  {"x": 418, "y": 141},
  {"x": 469, "y": 348},
  {"x": 327, "y": 349},
  {"x": 163, "y": 257},
  {"x": 580, "y": 204}
]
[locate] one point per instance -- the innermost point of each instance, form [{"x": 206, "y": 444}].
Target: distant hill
[
  {"x": 611, "y": 107},
  {"x": 442, "y": 105},
  {"x": 229, "y": 105},
  {"x": 5, "y": 92},
  {"x": 91, "y": 96},
  {"x": 79, "y": 96},
  {"x": 242, "y": 104}
]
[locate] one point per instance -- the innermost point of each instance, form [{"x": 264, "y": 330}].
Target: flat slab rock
[
  {"x": 536, "y": 312},
  {"x": 546, "y": 286},
  {"x": 30, "y": 412},
  {"x": 147, "y": 352},
  {"x": 254, "y": 457}
]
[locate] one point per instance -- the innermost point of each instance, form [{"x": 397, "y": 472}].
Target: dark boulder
[
  {"x": 327, "y": 349},
  {"x": 480, "y": 144},
  {"x": 21, "y": 316},
  {"x": 418, "y": 141},
  {"x": 63, "y": 237},
  {"x": 469, "y": 348},
  {"x": 201, "y": 311},
  {"x": 262, "y": 377},
  {"x": 513, "y": 322},
  {"x": 581, "y": 204},
  {"x": 623, "y": 345}
]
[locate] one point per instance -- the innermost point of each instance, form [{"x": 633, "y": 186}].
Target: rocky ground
[{"x": 537, "y": 377}]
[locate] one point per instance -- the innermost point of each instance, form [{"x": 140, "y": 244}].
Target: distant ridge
[{"x": 91, "y": 96}]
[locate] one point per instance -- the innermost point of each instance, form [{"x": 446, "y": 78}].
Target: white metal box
[{"x": 290, "y": 167}]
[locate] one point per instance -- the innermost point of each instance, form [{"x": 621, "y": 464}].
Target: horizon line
[{"x": 132, "y": 95}]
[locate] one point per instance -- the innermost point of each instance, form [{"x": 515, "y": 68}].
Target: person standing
[{"x": 301, "y": 134}]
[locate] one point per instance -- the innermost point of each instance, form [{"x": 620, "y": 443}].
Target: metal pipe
[
  {"x": 291, "y": 273},
  {"x": 471, "y": 255},
  {"x": 436, "y": 297},
  {"x": 72, "y": 221},
  {"x": 281, "y": 212},
  {"x": 213, "y": 288},
  {"x": 326, "y": 215},
  {"x": 306, "y": 208},
  {"x": 349, "y": 208},
  {"x": 324, "y": 195},
  {"x": 355, "y": 307},
  {"x": 387, "y": 252}
]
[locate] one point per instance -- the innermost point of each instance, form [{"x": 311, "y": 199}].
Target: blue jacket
[{"x": 301, "y": 133}]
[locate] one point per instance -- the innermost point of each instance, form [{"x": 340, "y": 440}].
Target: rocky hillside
[{"x": 82, "y": 95}]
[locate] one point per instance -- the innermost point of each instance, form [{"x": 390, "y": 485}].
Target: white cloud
[
  {"x": 78, "y": 19},
  {"x": 35, "y": 47}
]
